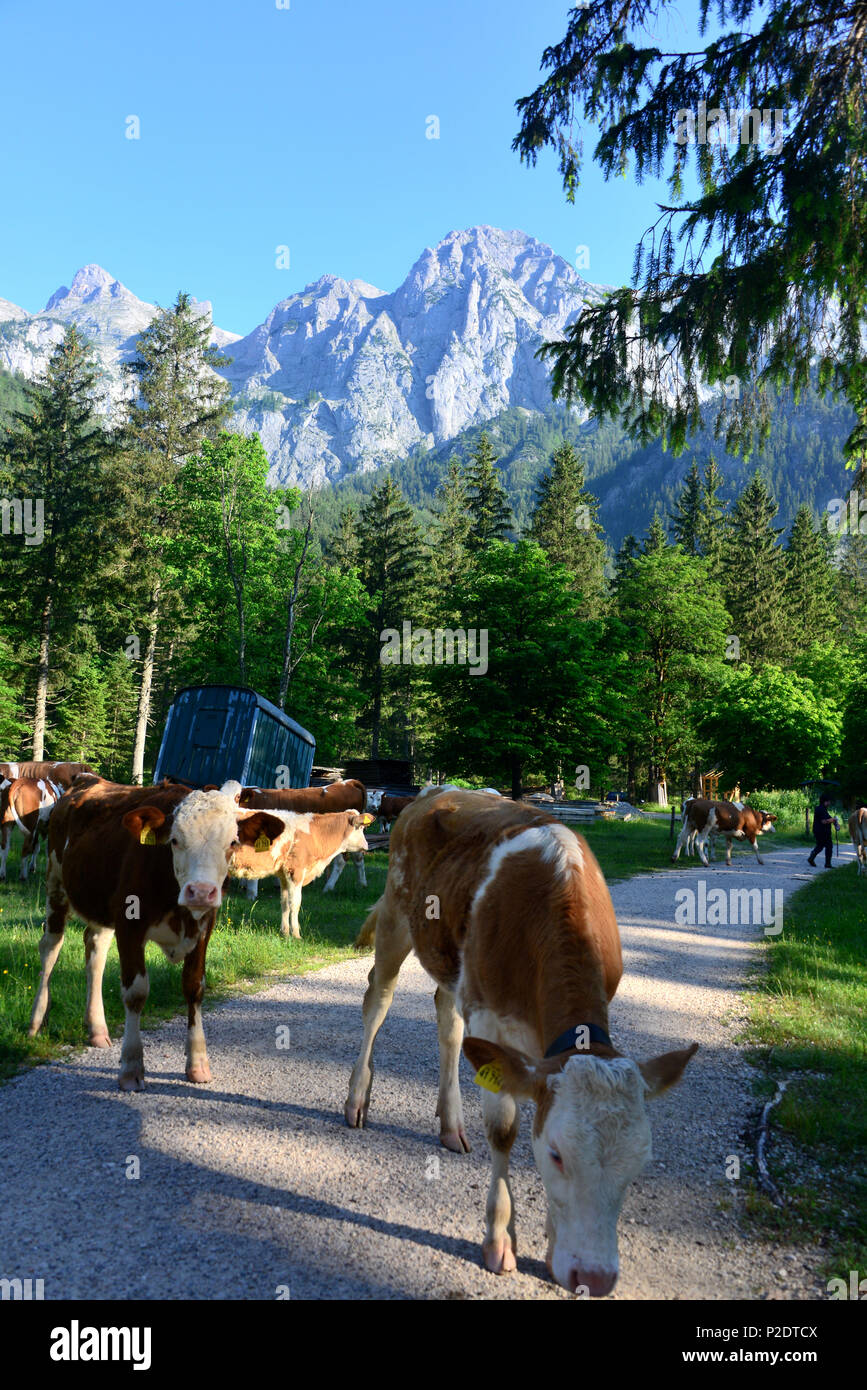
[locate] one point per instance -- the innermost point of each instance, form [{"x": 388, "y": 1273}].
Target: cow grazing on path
[
  {"x": 144, "y": 864},
  {"x": 858, "y": 836},
  {"x": 27, "y": 804},
  {"x": 304, "y": 848},
  {"x": 509, "y": 912},
  {"x": 703, "y": 818},
  {"x": 349, "y": 795}
]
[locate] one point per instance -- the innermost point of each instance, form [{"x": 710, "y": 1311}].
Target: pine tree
[
  {"x": 852, "y": 586},
  {"x": 753, "y": 573},
  {"x": 565, "y": 522},
  {"x": 810, "y": 585},
  {"x": 450, "y": 534},
  {"x": 713, "y": 522},
  {"x": 391, "y": 550},
  {"x": 686, "y": 519},
  {"x": 180, "y": 402},
  {"x": 490, "y": 512},
  {"x": 656, "y": 539},
  {"x": 343, "y": 549},
  {"x": 629, "y": 549},
  {"x": 62, "y": 460},
  {"x": 717, "y": 275}
]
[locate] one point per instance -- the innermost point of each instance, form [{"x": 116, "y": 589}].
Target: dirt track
[{"x": 254, "y": 1184}]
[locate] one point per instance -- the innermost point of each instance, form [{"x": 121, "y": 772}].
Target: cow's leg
[
  {"x": 4, "y": 849},
  {"x": 502, "y": 1120},
  {"x": 97, "y": 941},
  {"x": 450, "y": 1026},
  {"x": 393, "y": 945},
  {"x": 337, "y": 868},
  {"x": 193, "y": 982},
  {"x": 755, "y": 844},
  {"x": 51, "y": 941},
  {"x": 359, "y": 865},
  {"x": 682, "y": 839},
  {"x": 135, "y": 987},
  {"x": 251, "y": 887},
  {"x": 290, "y": 904},
  {"x": 701, "y": 845}
]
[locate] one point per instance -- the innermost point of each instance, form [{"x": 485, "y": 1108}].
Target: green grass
[
  {"x": 245, "y": 950},
  {"x": 809, "y": 1022}
]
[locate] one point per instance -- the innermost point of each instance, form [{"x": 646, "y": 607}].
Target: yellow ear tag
[
  {"x": 147, "y": 837},
  {"x": 262, "y": 844},
  {"x": 490, "y": 1077}
]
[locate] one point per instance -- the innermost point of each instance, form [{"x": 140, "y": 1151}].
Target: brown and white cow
[
  {"x": 349, "y": 795},
  {"x": 26, "y": 803},
  {"x": 59, "y": 773},
  {"x": 508, "y": 911},
  {"x": 305, "y": 846},
  {"x": 858, "y": 836},
  {"x": 144, "y": 864},
  {"x": 703, "y": 818}
]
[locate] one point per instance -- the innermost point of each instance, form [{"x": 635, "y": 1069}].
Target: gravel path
[{"x": 253, "y": 1184}]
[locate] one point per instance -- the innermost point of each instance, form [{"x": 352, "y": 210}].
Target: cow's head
[
  {"x": 355, "y": 826},
  {"x": 766, "y": 826},
  {"x": 202, "y": 831},
  {"x": 591, "y": 1138}
]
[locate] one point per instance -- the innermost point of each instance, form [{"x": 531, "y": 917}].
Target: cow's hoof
[
  {"x": 355, "y": 1113},
  {"x": 99, "y": 1039},
  {"x": 199, "y": 1073},
  {"x": 131, "y": 1081},
  {"x": 499, "y": 1256},
  {"x": 455, "y": 1141}
]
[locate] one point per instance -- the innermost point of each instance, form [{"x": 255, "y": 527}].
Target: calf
[
  {"x": 57, "y": 773},
  {"x": 350, "y": 795},
  {"x": 26, "y": 803},
  {"x": 302, "y": 851},
  {"x": 858, "y": 836},
  {"x": 509, "y": 912},
  {"x": 703, "y": 818},
  {"x": 146, "y": 864}
]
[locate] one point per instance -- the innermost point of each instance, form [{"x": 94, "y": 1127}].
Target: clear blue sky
[{"x": 263, "y": 127}]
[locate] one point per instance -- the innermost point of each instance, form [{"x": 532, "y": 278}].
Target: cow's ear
[
  {"x": 500, "y": 1068},
  {"x": 252, "y": 830},
  {"x": 665, "y": 1070},
  {"x": 365, "y": 818},
  {"x": 144, "y": 823}
]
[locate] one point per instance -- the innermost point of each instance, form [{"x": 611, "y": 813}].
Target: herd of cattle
[{"x": 505, "y": 907}]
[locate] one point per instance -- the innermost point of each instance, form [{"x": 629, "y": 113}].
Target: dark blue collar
[{"x": 567, "y": 1041}]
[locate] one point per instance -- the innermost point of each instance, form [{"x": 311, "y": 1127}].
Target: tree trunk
[
  {"x": 144, "y": 695},
  {"x": 42, "y": 679},
  {"x": 630, "y": 774},
  {"x": 517, "y": 769}
]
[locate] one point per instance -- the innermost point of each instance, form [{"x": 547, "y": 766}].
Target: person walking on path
[{"x": 822, "y": 822}]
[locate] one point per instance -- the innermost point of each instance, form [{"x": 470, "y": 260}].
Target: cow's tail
[{"x": 367, "y": 936}]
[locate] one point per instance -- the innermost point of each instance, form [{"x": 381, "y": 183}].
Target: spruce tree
[
  {"x": 450, "y": 534},
  {"x": 713, "y": 522},
  {"x": 656, "y": 539},
  {"x": 59, "y": 458},
  {"x": 753, "y": 574},
  {"x": 391, "y": 552},
  {"x": 629, "y": 549},
  {"x": 686, "y": 519},
  {"x": 180, "y": 402},
  {"x": 490, "y": 512},
  {"x": 810, "y": 584},
  {"x": 565, "y": 522}
]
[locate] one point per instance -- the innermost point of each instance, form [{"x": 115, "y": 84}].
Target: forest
[{"x": 719, "y": 636}]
